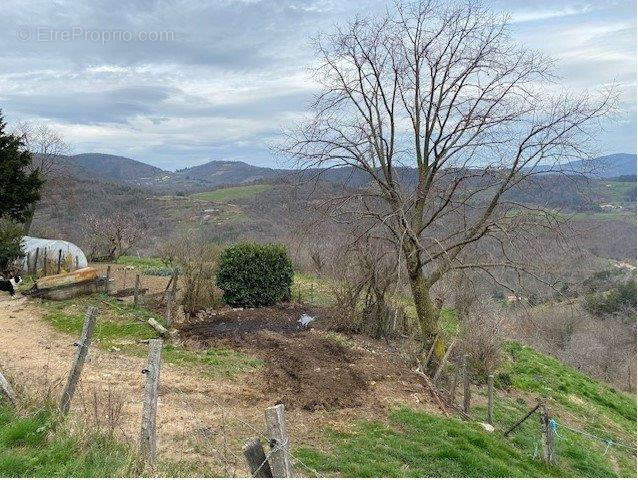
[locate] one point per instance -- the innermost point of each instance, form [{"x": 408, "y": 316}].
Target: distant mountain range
[
  {"x": 608, "y": 166},
  {"x": 122, "y": 170}
]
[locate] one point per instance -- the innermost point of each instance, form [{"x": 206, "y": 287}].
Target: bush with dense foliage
[
  {"x": 253, "y": 275},
  {"x": 10, "y": 244},
  {"x": 622, "y": 297}
]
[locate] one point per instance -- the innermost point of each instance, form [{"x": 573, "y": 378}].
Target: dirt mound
[
  {"x": 310, "y": 372},
  {"x": 304, "y": 368}
]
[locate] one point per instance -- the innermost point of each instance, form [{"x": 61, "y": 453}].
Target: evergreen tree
[{"x": 19, "y": 188}]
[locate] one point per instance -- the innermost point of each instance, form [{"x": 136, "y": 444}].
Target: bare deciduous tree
[
  {"x": 112, "y": 235},
  {"x": 46, "y": 146},
  {"x": 45, "y": 143},
  {"x": 443, "y": 88}
]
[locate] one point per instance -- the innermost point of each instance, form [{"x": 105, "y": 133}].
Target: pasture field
[{"x": 230, "y": 194}]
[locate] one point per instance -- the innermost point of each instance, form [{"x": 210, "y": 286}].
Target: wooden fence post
[
  {"x": 466, "y": 385},
  {"x": 547, "y": 436},
  {"x": 490, "y": 398},
  {"x": 80, "y": 357},
  {"x": 7, "y": 390},
  {"x": 108, "y": 279},
  {"x": 77, "y": 262},
  {"x": 149, "y": 407},
  {"x": 35, "y": 262},
  {"x": 44, "y": 262},
  {"x": 256, "y": 459},
  {"x": 279, "y": 442},
  {"x": 170, "y": 300},
  {"x": 59, "y": 261},
  {"x": 136, "y": 291}
]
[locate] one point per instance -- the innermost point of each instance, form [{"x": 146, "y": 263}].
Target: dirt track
[{"x": 200, "y": 419}]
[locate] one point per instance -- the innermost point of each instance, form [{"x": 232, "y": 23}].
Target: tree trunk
[
  {"x": 28, "y": 221},
  {"x": 427, "y": 312}
]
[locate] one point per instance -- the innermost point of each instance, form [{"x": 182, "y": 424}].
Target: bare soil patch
[
  {"x": 310, "y": 371},
  {"x": 233, "y": 323},
  {"x": 305, "y": 367}
]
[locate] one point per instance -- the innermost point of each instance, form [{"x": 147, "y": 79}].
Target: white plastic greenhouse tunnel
[{"x": 39, "y": 249}]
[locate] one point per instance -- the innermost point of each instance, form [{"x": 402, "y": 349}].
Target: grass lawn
[
  {"x": 231, "y": 193},
  {"x": 33, "y": 446},
  {"x": 121, "y": 325},
  {"x": 600, "y": 410},
  {"x": 148, "y": 265}
]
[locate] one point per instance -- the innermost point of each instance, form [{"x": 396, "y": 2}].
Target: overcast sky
[{"x": 177, "y": 83}]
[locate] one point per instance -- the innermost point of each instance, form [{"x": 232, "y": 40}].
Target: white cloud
[{"x": 236, "y": 70}]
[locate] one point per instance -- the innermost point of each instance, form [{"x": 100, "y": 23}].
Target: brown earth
[
  {"x": 235, "y": 323},
  {"x": 306, "y": 367}
]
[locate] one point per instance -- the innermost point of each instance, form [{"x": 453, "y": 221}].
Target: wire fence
[{"x": 230, "y": 456}]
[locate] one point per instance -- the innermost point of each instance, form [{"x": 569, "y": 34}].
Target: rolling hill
[
  {"x": 114, "y": 168},
  {"x": 608, "y": 166},
  {"x": 126, "y": 171},
  {"x": 217, "y": 173}
]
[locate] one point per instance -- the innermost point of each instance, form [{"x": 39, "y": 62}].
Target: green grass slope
[{"x": 417, "y": 444}]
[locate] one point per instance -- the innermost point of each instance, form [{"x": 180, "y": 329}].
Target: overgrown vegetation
[
  {"x": 198, "y": 266},
  {"x": 10, "y": 244},
  {"x": 620, "y": 298},
  {"x": 254, "y": 275},
  {"x": 196, "y": 260}
]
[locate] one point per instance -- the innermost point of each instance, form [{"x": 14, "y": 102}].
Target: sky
[{"x": 177, "y": 83}]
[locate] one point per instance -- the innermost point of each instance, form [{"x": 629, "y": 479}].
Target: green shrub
[
  {"x": 159, "y": 271},
  {"x": 10, "y": 244},
  {"x": 617, "y": 299},
  {"x": 253, "y": 275}
]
